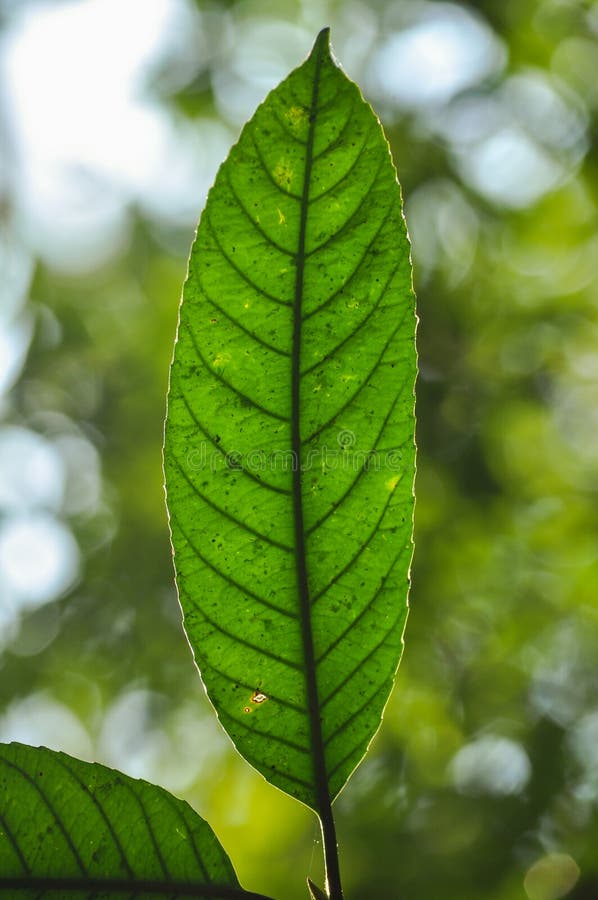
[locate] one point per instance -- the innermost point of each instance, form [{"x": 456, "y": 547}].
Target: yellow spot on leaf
[
  {"x": 392, "y": 482},
  {"x": 281, "y": 217},
  {"x": 297, "y": 117},
  {"x": 283, "y": 173},
  {"x": 220, "y": 359}
]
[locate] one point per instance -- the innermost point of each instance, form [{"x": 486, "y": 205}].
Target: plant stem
[{"x": 333, "y": 876}]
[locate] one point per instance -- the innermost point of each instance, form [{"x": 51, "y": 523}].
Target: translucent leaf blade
[
  {"x": 289, "y": 451},
  {"x": 73, "y": 829}
]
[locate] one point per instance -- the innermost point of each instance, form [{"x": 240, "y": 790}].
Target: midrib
[{"x": 313, "y": 699}]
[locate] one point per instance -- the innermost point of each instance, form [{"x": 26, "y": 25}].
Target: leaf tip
[{"x": 322, "y": 42}]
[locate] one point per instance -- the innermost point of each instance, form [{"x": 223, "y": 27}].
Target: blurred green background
[{"x": 114, "y": 115}]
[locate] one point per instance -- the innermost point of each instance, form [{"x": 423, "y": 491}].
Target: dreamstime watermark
[{"x": 345, "y": 456}]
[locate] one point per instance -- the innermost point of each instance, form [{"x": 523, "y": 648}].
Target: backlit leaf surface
[
  {"x": 75, "y": 829},
  {"x": 289, "y": 451}
]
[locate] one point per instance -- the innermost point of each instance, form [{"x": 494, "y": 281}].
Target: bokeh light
[{"x": 441, "y": 50}]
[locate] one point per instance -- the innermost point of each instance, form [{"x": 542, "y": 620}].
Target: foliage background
[{"x": 483, "y": 781}]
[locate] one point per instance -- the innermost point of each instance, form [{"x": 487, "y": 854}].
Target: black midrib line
[
  {"x": 120, "y": 885},
  {"x": 313, "y": 700},
  {"x": 322, "y": 107},
  {"x": 318, "y": 156}
]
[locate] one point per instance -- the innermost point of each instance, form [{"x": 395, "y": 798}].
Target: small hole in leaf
[{"x": 258, "y": 697}]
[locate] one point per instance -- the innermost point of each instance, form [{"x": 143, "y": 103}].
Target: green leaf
[
  {"x": 72, "y": 829},
  {"x": 289, "y": 452}
]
